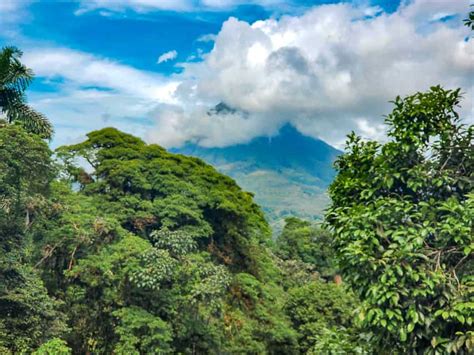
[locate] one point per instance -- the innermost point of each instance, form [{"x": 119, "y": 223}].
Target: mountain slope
[{"x": 288, "y": 173}]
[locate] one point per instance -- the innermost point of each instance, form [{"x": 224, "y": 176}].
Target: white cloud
[
  {"x": 94, "y": 92},
  {"x": 10, "y": 7},
  {"x": 223, "y": 4},
  {"x": 177, "y": 124},
  {"x": 329, "y": 71},
  {"x": 142, "y": 6},
  {"x": 12, "y": 12},
  {"x": 75, "y": 112},
  {"x": 167, "y": 56},
  {"x": 136, "y": 5},
  {"x": 82, "y": 69},
  {"x": 210, "y": 37}
]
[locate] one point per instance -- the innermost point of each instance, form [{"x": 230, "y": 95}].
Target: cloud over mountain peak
[{"x": 329, "y": 71}]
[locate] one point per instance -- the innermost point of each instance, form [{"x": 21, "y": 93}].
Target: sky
[{"x": 154, "y": 68}]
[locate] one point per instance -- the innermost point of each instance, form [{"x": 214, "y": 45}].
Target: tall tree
[
  {"x": 402, "y": 215},
  {"x": 15, "y": 78},
  {"x": 28, "y": 316},
  {"x": 156, "y": 253}
]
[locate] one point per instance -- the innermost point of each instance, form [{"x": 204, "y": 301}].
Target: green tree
[
  {"x": 156, "y": 252},
  {"x": 28, "y": 316},
  {"x": 402, "y": 216},
  {"x": 54, "y": 346},
  {"x": 15, "y": 78},
  {"x": 148, "y": 188},
  {"x": 141, "y": 333},
  {"x": 323, "y": 315},
  {"x": 302, "y": 241}
]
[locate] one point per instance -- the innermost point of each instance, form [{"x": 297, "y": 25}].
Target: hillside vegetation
[
  {"x": 116, "y": 246},
  {"x": 149, "y": 251},
  {"x": 289, "y": 173}
]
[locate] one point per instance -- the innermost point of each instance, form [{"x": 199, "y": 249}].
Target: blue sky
[
  {"x": 138, "y": 38},
  {"x": 97, "y": 63}
]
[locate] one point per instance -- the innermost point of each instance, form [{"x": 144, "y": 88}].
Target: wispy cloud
[
  {"x": 90, "y": 92},
  {"x": 12, "y": 6},
  {"x": 12, "y": 12},
  {"x": 143, "y": 6},
  {"x": 83, "y": 69},
  {"x": 135, "y": 5},
  {"x": 167, "y": 56},
  {"x": 210, "y": 37}
]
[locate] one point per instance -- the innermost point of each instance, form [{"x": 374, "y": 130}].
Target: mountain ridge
[{"x": 288, "y": 173}]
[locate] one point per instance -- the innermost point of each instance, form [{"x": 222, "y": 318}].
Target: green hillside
[{"x": 288, "y": 173}]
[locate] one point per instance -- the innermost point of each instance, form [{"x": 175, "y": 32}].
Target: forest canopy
[{"x": 116, "y": 246}]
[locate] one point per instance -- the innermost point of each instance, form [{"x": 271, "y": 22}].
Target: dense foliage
[
  {"x": 302, "y": 241},
  {"x": 402, "y": 216},
  {"x": 146, "y": 251},
  {"x": 28, "y": 317},
  {"x": 323, "y": 315},
  {"x": 158, "y": 252},
  {"x": 115, "y": 246},
  {"x": 120, "y": 247}
]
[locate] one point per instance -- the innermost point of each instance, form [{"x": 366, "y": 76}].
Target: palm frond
[
  {"x": 13, "y": 74},
  {"x": 20, "y": 77},
  {"x": 6, "y": 55},
  {"x": 9, "y": 98},
  {"x": 14, "y": 80},
  {"x": 32, "y": 120}
]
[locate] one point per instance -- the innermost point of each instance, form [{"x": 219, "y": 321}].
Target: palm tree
[
  {"x": 469, "y": 22},
  {"x": 14, "y": 80}
]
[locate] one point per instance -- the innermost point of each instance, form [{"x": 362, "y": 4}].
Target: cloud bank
[{"x": 327, "y": 72}]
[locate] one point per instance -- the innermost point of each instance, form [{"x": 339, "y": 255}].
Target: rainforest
[{"x": 113, "y": 244}]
